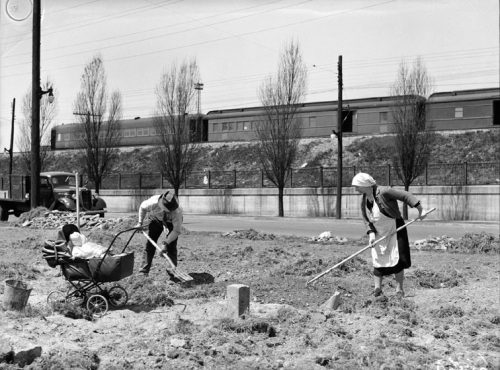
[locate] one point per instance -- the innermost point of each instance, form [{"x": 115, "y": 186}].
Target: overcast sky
[{"x": 237, "y": 44}]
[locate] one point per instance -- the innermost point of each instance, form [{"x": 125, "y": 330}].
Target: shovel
[
  {"x": 365, "y": 248},
  {"x": 174, "y": 270}
]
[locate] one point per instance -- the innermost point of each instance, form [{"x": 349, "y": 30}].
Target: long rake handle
[{"x": 365, "y": 248}]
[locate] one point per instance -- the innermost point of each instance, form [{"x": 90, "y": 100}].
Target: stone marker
[
  {"x": 333, "y": 302},
  {"x": 238, "y": 299}
]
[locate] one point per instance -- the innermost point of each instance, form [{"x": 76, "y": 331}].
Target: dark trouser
[
  {"x": 155, "y": 230},
  {"x": 404, "y": 253}
]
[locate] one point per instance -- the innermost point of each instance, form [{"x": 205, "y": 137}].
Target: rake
[
  {"x": 174, "y": 270},
  {"x": 365, "y": 248}
]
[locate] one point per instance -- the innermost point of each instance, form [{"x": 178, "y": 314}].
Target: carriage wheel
[
  {"x": 56, "y": 299},
  {"x": 118, "y": 296},
  {"x": 97, "y": 305}
]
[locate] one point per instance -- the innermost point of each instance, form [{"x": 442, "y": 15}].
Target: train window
[
  {"x": 224, "y": 126},
  {"x": 230, "y": 126},
  {"x": 59, "y": 137},
  {"x": 246, "y": 126},
  {"x": 143, "y": 132},
  {"x": 66, "y": 137},
  {"x": 312, "y": 121},
  {"x": 459, "y": 112},
  {"x": 383, "y": 117},
  {"x": 129, "y": 132}
]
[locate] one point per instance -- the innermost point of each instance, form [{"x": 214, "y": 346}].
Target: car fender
[{"x": 68, "y": 203}]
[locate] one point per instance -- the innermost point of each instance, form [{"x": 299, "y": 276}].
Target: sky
[{"x": 237, "y": 44}]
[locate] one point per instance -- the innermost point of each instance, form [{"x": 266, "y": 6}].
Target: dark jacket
[{"x": 387, "y": 201}]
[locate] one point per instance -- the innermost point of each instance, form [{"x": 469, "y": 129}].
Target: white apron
[{"x": 384, "y": 253}]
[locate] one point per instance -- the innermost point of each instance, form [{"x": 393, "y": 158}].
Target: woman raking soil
[{"x": 380, "y": 211}]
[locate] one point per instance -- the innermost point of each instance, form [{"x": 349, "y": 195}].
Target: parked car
[{"x": 57, "y": 192}]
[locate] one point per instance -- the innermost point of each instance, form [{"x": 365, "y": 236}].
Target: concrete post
[{"x": 238, "y": 299}]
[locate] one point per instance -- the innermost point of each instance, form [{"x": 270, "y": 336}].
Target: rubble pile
[
  {"x": 327, "y": 236},
  {"x": 249, "y": 234},
  {"x": 57, "y": 219},
  {"x": 434, "y": 243}
]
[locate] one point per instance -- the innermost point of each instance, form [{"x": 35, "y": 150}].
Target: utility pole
[
  {"x": 35, "y": 107},
  {"x": 339, "y": 140},
  {"x": 199, "y": 124},
  {"x": 11, "y": 150}
]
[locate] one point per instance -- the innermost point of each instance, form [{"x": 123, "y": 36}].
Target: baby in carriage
[{"x": 78, "y": 245}]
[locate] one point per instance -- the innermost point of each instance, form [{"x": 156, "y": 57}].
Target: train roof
[
  {"x": 308, "y": 107},
  {"x": 461, "y": 95}
]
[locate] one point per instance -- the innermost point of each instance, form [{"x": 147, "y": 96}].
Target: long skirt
[{"x": 404, "y": 261}]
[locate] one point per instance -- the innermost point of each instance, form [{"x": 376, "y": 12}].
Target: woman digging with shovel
[{"x": 380, "y": 211}]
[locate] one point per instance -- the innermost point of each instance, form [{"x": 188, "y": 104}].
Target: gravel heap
[
  {"x": 434, "y": 243},
  {"x": 41, "y": 218}
]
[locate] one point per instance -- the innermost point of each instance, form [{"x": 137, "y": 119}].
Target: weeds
[
  {"x": 476, "y": 243},
  {"x": 250, "y": 326},
  {"x": 437, "y": 280},
  {"x": 447, "y": 311}
]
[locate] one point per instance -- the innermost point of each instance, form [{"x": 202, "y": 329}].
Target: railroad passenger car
[
  {"x": 318, "y": 119},
  {"x": 457, "y": 110},
  {"x": 464, "y": 110},
  {"x": 133, "y": 132}
]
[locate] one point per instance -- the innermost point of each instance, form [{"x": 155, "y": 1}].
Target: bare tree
[
  {"x": 279, "y": 131},
  {"x": 99, "y": 120},
  {"x": 413, "y": 140},
  {"x": 175, "y": 95},
  {"x": 48, "y": 112}
]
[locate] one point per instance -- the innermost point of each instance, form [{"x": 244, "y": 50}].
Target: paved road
[{"x": 310, "y": 227}]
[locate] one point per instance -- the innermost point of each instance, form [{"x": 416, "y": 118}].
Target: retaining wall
[{"x": 476, "y": 203}]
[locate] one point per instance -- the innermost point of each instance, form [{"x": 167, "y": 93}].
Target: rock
[
  {"x": 23, "y": 358},
  {"x": 6, "y": 354},
  {"x": 325, "y": 235},
  {"x": 333, "y": 302},
  {"x": 177, "y": 342}
]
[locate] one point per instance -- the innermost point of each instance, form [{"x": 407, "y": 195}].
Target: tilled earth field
[{"x": 449, "y": 318}]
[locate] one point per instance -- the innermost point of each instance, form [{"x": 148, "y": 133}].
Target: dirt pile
[
  {"x": 42, "y": 218},
  {"x": 448, "y": 317}
]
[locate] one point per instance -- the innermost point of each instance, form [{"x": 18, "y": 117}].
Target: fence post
[
  {"x": 209, "y": 178},
  {"x": 426, "y": 174},
  {"x": 321, "y": 176},
  {"x": 140, "y": 181},
  {"x": 291, "y": 178},
  {"x": 261, "y": 178},
  {"x": 234, "y": 178},
  {"x": 388, "y": 175},
  {"x": 161, "y": 180},
  {"x": 466, "y": 172},
  {"x": 119, "y": 180}
]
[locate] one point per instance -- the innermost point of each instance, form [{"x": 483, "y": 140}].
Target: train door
[
  {"x": 347, "y": 120},
  {"x": 204, "y": 130},
  {"x": 496, "y": 112}
]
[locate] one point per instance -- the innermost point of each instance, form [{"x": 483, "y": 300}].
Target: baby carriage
[{"x": 88, "y": 277}]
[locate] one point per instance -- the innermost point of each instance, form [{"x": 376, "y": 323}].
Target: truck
[{"x": 57, "y": 192}]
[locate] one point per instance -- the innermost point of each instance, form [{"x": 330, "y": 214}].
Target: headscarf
[{"x": 363, "y": 179}]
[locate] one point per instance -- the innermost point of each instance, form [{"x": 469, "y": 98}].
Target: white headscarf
[{"x": 363, "y": 179}]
